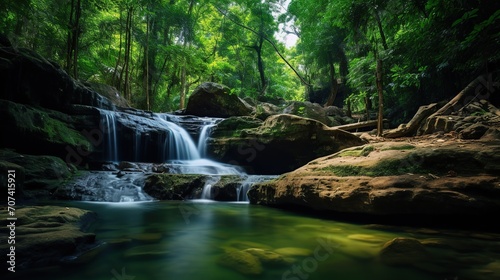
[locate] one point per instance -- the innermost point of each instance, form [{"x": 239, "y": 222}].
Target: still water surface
[{"x": 186, "y": 240}]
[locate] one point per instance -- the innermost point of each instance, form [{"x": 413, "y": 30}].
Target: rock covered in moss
[
  {"x": 215, "y": 100},
  {"x": 403, "y": 251},
  {"x": 36, "y": 176},
  {"x": 241, "y": 261},
  {"x": 446, "y": 181},
  {"x": 280, "y": 144},
  {"x": 47, "y": 234},
  {"x": 39, "y": 131},
  {"x": 28, "y": 78},
  {"x": 190, "y": 186}
]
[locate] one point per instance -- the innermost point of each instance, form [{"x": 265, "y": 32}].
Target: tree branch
[{"x": 267, "y": 40}]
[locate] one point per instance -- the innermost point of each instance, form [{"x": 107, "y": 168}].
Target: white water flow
[
  {"x": 108, "y": 121},
  {"x": 242, "y": 190},
  {"x": 207, "y": 189},
  {"x": 176, "y": 149},
  {"x": 202, "y": 142},
  {"x": 178, "y": 144}
]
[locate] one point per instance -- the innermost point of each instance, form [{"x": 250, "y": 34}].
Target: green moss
[
  {"x": 59, "y": 132},
  {"x": 38, "y": 124},
  {"x": 394, "y": 167},
  {"x": 343, "y": 170},
  {"x": 235, "y": 126},
  {"x": 382, "y": 168},
  {"x": 357, "y": 152},
  {"x": 399, "y": 147}
]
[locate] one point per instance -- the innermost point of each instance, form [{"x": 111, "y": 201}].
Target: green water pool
[{"x": 213, "y": 240}]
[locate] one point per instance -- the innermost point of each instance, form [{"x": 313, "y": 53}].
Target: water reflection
[{"x": 193, "y": 239}]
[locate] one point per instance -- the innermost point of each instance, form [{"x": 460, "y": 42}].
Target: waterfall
[
  {"x": 153, "y": 137},
  {"x": 202, "y": 142},
  {"x": 178, "y": 144},
  {"x": 208, "y": 124},
  {"x": 251, "y": 180},
  {"x": 108, "y": 121},
  {"x": 207, "y": 188}
]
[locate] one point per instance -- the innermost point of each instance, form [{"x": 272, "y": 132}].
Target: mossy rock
[
  {"x": 47, "y": 234},
  {"x": 53, "y": 132},
  {"x": 403, "y": 251},
  {"x": 37, "y": 176},
  {"x": 268, "y": 257},
  {"x": 241, "y": 261},
  {"x": 357, "y": 151},
  {"x": 233, "y": 127},
  {"x": 174, "y": 186}
]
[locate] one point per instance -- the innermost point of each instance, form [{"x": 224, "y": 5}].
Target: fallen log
[
  {"x": 353, "y": 126},
  {"x": 412, "y": 126}
]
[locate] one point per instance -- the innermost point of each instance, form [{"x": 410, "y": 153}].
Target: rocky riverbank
[{"x": 425, "y": 179}]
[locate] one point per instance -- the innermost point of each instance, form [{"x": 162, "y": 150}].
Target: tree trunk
[
  {"x": 73, "y": 38},
  {"x": 334, "y": 86},
  {"x": 183, "y": 74},
  {"x": 381, "y": 30},
  {"x": 260, "y": 66},
  {"x": 469, "y": 89},
  {"x": 146, "y": 68},
  {"x": 118, "y": 60},
  {"x": 354, "y": 126},
  {"x": 411, "y": 127},
  {"x": 128, "y": 50},
  {"x": 380, "y": 91}
]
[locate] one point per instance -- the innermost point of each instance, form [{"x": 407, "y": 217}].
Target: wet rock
[
  {"x": 268, "y": 257},
  {"x": 174, "y": 186},
  {"x": 46, "y": 234},
  {"x": 293, "y": 252},
  {"x": 366, "y": 238},
  {"x": 403, "y": 251},
  {"x": 53, "y": 132},
  {"x": 36, "y": 176},
  {"x": 241, "y": 261}
]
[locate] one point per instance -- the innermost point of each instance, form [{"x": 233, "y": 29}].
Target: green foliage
[{"x": 430, "y": 48}]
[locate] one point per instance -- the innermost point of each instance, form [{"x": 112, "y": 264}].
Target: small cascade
[
  {"x": 137, "y": 146},
  {"x": 202, "y": 142},
  {"x": 251, "y": 180},
  {"x": 205, "y": 167},
  {"x": 111, "y": 187},
  {"x": 178, "y": 144},
  {"x": 108, "y": 121},
  {"x": 208, "y": 124},
  {"x": 207, "y": 189}
]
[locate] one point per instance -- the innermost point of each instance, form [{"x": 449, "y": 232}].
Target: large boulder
[
  {"x": 28, "y": 78},
  {"x": 215, "y": 100},
  {"x": 449, "y": 182},
  {"x": 46, "y": 235},
  {"x": 36, "y": 176},
  {"x": 279, "y": 144},
  {"x": 39, "y": 131}
]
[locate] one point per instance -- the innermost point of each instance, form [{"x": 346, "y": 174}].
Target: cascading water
[
  {"x": 108, "y": 121},
  {"x": 251, "y": 180},
  {"x": 207, "y": 189},
  {"x": 152, "y": 137},
  {"x": 178, "y": 144},
  {"x": 208, "y": 124}
]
